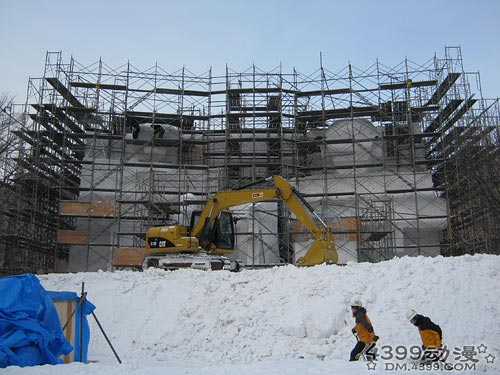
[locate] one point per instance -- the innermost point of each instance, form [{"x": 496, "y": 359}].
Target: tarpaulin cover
[
  {"x": 82, "y": 331},
  {"x": 30, "y": 331}
]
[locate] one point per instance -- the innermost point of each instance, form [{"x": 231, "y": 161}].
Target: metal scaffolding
[{"x": 398, "y": 160}]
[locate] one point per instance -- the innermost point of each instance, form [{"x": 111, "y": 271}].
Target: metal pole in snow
[
  {"x": 106, "y": 337},
  {"x": 81, "y": 321}
]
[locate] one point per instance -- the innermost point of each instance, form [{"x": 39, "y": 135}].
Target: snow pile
[{"x": 286, "y": 313}]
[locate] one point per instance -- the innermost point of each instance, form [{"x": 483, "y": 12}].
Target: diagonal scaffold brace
[{"x": 82, "y": 299}]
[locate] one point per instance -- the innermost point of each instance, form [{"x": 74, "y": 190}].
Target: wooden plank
[
  {"x": 353, "y": 226},
  {"x": 443, "y": 115},
  {"x": 96, "y": 85},
  {"x": 443, "y": 88},
  {"x": 103, "y": 209},
  {"x": 72, "y": 237},
  {"x": 128, "y": 256},
  {"x": 350, "y": 224},
  {"x": 88, "y": 208},
  {"x": 63, "y": 90},
  {"x": 407, "y": 84},
  {"x": 64, "y": 310},
  {"x": 457, "y": 116}
]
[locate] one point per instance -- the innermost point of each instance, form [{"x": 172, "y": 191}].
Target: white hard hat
[
  {"x": 356, "y": 301},
  {"x": 411, "y": 314}
]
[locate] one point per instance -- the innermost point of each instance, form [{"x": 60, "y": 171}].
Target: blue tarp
[
  {"x": 82, "y": 331},
  {"x": 30, "y": 330}
]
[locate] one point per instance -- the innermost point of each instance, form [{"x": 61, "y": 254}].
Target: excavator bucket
[{"x": 319, "y": 252}]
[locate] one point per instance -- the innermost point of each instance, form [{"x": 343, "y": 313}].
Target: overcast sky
[{"x": 201, "y": 34}]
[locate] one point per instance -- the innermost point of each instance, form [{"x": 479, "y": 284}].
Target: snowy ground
[{"x": 286, "y": 320}]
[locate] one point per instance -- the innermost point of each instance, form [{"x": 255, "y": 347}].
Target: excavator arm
[
  {"x": 323, "y": 248},
  {"x": 321, "y": 251}
]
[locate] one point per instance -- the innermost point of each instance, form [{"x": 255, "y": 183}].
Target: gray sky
[{"x": 201, "y": 34}]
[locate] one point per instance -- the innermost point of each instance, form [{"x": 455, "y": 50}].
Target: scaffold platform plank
[
  {"x": 128, "y": 256},
  {"x": 157, "y": 90},
  {"x": 71, "y": 237},
  {"x": 252, "y": 90},
  {"x": 404, "y": 85},
  {"x": 443, "y": 88},
  {"x": 60, "y": 115},
  {"x": 48, "y": 121},
  {"x": 146, "y": 164},
  {"x": 443, "y": 115},
  {"x": 158, "y": 117},
  {"x": 63, "y": 90},
  {"x": 165, "y": 142},
  {"x": 300, "y": 94},
  {"x": 97, "y": 85},
  {"x": 348, "y": 112},
  {"x": 456, "y": 117},
  {"x": 236, "y": 139},
  {"x": 101, "y": 209},
  {"x": 447, "y": 140},
  {"x": 258, "y": 113}
]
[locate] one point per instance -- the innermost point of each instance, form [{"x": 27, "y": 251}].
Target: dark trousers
[{"x": 358, "y": 349}]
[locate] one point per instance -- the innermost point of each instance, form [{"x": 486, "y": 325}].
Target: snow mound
[{"x": 284, "y": 313}]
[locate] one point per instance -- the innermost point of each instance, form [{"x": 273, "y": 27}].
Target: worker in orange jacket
[
  {"x": 363, "y": 330},
  {"x": 430, "y": 333}
]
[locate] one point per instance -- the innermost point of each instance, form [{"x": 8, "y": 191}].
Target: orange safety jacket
[
  {"x": 429, "y": 332},
  {"x": 364, "y": 329}
]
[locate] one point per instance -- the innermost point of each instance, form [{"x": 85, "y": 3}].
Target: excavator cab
[{"x": 219, "y": 236}]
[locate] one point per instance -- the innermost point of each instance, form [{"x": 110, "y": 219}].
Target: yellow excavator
[{"x": 211, "y": 235}]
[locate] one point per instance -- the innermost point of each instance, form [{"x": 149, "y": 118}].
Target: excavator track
[{"x": 199, "y": 261}]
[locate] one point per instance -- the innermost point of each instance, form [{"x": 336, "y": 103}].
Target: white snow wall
[{"x": 370, "y": 184}]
